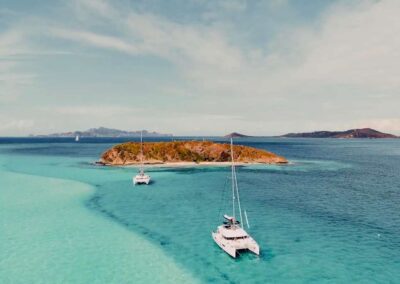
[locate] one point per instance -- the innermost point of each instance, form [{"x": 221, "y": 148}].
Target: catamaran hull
[
  {"x": 254, "y": 249},
  {"x": 230, "y": 248},
  {"x": 141, "y": 180}
]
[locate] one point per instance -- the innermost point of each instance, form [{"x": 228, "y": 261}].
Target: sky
[{"x": 197, "y": 67}]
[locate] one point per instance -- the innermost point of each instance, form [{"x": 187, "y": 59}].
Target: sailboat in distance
[
  {"x": 230, "y": 236},
  {"x": 141, "y": 177}
]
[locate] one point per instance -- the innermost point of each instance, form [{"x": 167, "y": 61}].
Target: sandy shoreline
[{"x": 60, "y": 248}]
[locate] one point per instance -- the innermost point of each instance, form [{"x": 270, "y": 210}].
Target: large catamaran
[
  {"x": 141, "y": 177},
  {"x": 231, "y": 237}
]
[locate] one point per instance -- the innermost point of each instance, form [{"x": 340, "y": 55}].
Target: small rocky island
[
  {"x": 348, "y": 134},
  {"x": 186, "y": 152},
  {"x": 236, "y": 135}
]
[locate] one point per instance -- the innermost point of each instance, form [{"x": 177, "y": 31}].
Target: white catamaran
[
  {"x": 141, "y": 177},
  {"x": 231, "y": 237}
]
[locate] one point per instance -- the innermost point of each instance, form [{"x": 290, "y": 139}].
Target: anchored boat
[
  {"x": 231, "y": 236},
  {"x": 141, "y": 177}
]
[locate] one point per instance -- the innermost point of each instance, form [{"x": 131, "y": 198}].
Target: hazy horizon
[
  {"x": 178, "y": 135},
  {"x": 197, "y": 67}
]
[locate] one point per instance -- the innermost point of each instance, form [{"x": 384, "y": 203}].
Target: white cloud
[
  {"x": 354, "y": 46},
  {"x": 12, "y": 46},
  {"x": 93, "y": 111},
  {"x": 9, "y": 43},
  {"x": 333, "y": 73},
  {"x": 91, "y": 38},
  {"x": 9, "y": 126},
  {"x": 100, "y": 6},
  {"x": 148, "y": 34},
  {"x": 383, "y": 124},
  {"x": 86, "y": 10}
]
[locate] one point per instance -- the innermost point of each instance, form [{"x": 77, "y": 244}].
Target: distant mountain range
[
  {"x": 105, "y": 132},
  {"x": 110, "y": 132},
  {"x": 352, "y": 133}
]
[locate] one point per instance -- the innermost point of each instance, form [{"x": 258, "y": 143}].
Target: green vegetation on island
[{"x": 185, "y": 151}]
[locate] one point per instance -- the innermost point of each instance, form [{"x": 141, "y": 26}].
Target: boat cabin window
[{"x": 237, "y": 238}]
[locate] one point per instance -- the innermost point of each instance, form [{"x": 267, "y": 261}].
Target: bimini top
[{"x": 231, "y": 219}]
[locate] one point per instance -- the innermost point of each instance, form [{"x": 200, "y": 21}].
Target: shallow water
[{"x": 330, "y": 216}]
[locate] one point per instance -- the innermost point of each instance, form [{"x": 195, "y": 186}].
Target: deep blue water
[{"x": 332, "y": 215}]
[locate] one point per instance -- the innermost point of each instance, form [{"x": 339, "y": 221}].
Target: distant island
[
  {"x": 348, "y": 134},
  {"x": 105, "y": 132},
  {"x": 235, "y": 135},
  {"x": 186, "y": 153}
]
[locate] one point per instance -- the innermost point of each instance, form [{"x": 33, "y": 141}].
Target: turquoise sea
[{"x": 331, "y": 216}]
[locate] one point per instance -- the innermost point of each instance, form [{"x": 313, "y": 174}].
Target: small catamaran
[
  {"x": 141, "y": 177},
  {"x": 231, "y": 237}
]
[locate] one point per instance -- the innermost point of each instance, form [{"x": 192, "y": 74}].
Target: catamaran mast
[
  {"x": 235, "y": 187},
  {"x": 233, "y": 182},
  {"x": 141, "y": 151}
]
